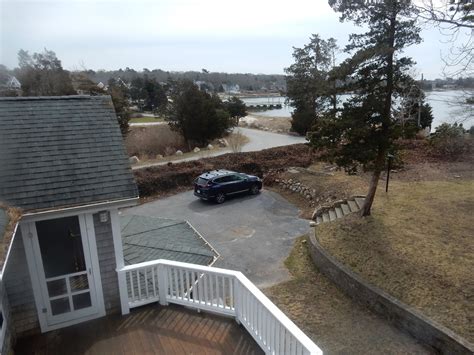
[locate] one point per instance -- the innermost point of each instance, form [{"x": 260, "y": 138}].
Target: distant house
[
  {"x": 204, "y": 85},
  {"x": 68, "y": 256},
  {"x": 231, "y": 88},
  {"x": 9, "y": 83}
]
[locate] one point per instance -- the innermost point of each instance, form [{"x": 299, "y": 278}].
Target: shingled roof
[
  {"x": 62, "y": 151},
  {"x": 149, "y": 238}
]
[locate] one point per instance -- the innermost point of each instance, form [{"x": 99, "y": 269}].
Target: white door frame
[{"x": 35, "y": 267}]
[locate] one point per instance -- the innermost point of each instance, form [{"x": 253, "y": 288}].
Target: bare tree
[{"x": 455, "y": 19}]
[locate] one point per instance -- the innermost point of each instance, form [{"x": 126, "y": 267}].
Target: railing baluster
[
  {"x": 205, "y": 284},
  {"x": 186, "y": 277},
  {"x": 218, "y": 296},
  {"x": 203, "y": 289},
  {"x": 146, "y": 281},
  {"x": 175, "y": 282},
  {"x": 153, "y": 280},
  {"x": 139, "y": 286},
  {"x": 193, "y": 280},
  {"x": 224, "y": 296},
  {"x": 276, "y": 338},
  {"x": 196, "y": 286},
  {"x": 130, "y": 274},
  {"x": 170, "y": 284},
  {"x": 287, "y": 343},
  {"x": 211, "y": 291},
  {"x": 181, "y": 285}
]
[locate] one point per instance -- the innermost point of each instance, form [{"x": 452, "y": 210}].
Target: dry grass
[
  {"x": 418, "y": 246},
  {"x": 146, "y": 142},
  {"x": 336, "y": 323}
]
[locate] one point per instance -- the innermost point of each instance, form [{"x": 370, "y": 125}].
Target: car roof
[{"x": 216, "y": 173}]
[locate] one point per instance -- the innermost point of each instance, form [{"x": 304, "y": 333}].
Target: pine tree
[
  {"x": 307, "y": 82},
  {"x": 365, "y": 129}
]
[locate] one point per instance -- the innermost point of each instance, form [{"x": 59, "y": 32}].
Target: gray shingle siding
[
  {"x": 62, "y": 151},
  {"x": 107, "y": 264},
  {"x": 8, "y": 335},
  {"x": 23, "y": 315}
]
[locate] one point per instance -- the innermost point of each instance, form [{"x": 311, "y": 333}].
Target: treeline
[
  {"x": 458, "y": 83},
  {"x": 216, "y": 81}
]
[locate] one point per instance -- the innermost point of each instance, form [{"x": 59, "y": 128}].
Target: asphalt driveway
[{"x": 253, "y": 234}]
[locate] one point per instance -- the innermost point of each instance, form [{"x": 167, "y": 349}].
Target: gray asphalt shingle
[
  {"x": 149, "y": 238},
  {"x": 62, "y": 151}
]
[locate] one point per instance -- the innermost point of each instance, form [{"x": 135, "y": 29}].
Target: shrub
[
  {"x": 236, "y": 141},
  {"x": 449, "y": 141}
]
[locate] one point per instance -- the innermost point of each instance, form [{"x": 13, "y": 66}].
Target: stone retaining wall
[
  {"x": 297, "y": 187},
  {"x": 401, "y": 315}
]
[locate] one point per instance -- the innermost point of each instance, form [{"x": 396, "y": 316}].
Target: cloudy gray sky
[{"x": 254, "y": 36}]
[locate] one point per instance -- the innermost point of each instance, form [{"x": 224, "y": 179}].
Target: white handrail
[{"x": 221, "y": 291}]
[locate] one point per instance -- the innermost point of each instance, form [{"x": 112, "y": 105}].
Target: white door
[{"x": 66, "y": 277}]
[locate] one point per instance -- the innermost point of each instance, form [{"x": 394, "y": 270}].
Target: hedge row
[{"x": 163, "y": 178}]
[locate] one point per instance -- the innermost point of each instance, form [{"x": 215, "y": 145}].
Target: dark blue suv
[{"x": 218, "y": 184}]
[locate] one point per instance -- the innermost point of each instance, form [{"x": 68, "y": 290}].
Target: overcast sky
[{"x": 251, "y": 36}]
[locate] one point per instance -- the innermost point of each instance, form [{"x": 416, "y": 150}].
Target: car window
[
  {"x": 227, "y": 178},
  {"x": 237, "y": 177},
  {"x": 221, "y": 180},
  {"x": 201, "y": 181}
]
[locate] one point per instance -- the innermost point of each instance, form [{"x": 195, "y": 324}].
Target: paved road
[
  {"x": 144, "y": 124},
  {"x": 253, "y": 234},
  {"x": 262, "y": 140},
  {"x": 258, "y": 140}
]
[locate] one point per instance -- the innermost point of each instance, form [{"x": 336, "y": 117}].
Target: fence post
[{"x": 162, "y": 284}]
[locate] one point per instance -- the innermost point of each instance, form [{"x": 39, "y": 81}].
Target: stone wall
[{"x": 295, "y": 186}]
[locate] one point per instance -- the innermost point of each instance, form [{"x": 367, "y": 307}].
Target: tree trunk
[
  {"x": 369, "y": 199},
  {"x": 386, "y": 116}
]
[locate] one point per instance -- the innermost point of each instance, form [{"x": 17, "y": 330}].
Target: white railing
[{"x": 221, "y": 291}]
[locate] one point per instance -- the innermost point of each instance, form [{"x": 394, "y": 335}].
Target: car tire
[
  {"x": 220, "y": 197},
  {"x": 254, "y": 190}
]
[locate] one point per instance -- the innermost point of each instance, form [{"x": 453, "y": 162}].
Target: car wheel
[
  {"x": 254, "y": 190},
  {"x": 220, "y": 198}
]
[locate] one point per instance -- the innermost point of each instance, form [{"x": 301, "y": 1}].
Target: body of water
[{"x": 444, "y": 103}]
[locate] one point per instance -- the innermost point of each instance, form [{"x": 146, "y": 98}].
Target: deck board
[{"x": 146, "y": 330}]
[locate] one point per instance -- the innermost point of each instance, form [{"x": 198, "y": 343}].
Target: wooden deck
[{"x": 146, "y": 330}]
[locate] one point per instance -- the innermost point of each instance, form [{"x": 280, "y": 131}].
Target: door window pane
[
  {"x": 57, "y": 287},
  {"x": 61, "y": 246},
  {"x": 81, "y": 301},
  {"x": 79, "y": 282},
  {"x": 60, "y": 306}
]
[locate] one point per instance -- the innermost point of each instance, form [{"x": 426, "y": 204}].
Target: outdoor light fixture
[{"x": 103, "y": 216}]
